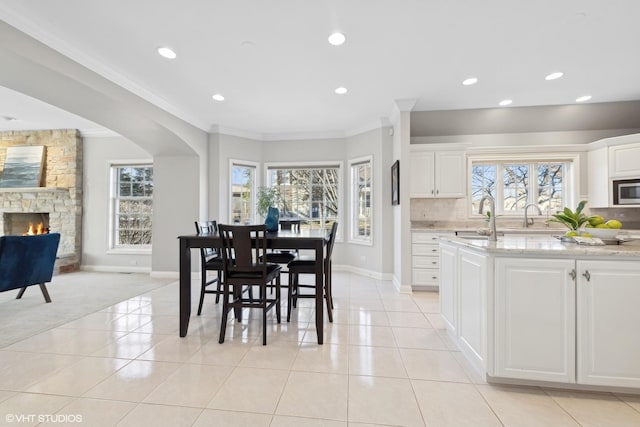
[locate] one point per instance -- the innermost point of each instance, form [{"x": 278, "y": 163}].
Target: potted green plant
[
  {"x": 573, "y": 220},
  {"x": 268, "y": 201}
]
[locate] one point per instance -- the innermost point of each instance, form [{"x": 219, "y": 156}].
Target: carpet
[{"x": 73, "y": 295}]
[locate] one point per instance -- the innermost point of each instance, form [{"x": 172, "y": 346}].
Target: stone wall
[{"x": 61, "y": 191}]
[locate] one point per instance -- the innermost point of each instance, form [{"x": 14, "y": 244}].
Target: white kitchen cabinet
[
  {"x": 624, "y": 161},
  {"x": 598, "y": 178},
  {"x": 608, "y": 322},
  {"x": 472, "y": 285},
  {"x": 425, "y": 259},
  {"x": 437, "y": 174},
  {"x": 448, "y": 285},
  {"x": 535, "y": 319}
]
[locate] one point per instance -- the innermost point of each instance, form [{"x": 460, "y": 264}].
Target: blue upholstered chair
[{"x": 27, "y": 261}]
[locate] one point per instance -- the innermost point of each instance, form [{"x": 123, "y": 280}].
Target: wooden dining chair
[
  {"x": 210, "y": 260},
  {"x": 244, "y": 263},
  {"x": 307, "y": 265}
]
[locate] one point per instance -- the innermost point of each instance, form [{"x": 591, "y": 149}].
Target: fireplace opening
[{"x": 25, "y": 223}]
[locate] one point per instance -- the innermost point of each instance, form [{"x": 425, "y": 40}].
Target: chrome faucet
[
  {"x": 527, "y": 221},
  {"x": 492, "y": 217}
]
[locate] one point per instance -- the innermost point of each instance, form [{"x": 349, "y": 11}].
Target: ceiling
[{"x": 273, "y": 64}]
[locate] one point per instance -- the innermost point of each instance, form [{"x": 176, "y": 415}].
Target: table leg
[
  {"x": 185, "y": 286},
  {"x": 319, "y": 292}
]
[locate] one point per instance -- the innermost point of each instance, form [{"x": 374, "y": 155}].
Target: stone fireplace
[{"x": 58, "y": 202}]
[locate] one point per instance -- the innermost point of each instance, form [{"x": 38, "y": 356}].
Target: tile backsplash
[{"x": 454, "y": 213}]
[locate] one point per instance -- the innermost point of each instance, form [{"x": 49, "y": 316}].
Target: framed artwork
[
  {"x": 22, "y": 167},
  {"x": 395, "y": 183}
]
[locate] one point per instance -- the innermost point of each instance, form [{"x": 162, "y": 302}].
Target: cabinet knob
[
  {"x": 431, "y": 191},
  {"x": 434, "y": 250},
  {"x": 433, "y": 262},
  {"x": 437, "y": 191},
  {"x": 587, "y": 275},
  {"x": 573, "y": 274}
]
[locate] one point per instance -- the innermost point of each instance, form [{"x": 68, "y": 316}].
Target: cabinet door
[
  {"x": 624, "y": 161},
  {"x": 421, "y": 183},
  {"x": 598, "y": 178},
  {"x": 608, "y": 323},
  {"x": 472, "y": 281},
  {"x": 535, "y": 319},
  {"x": 448, "y": 285},
  {"x": 450, "y": 174}
]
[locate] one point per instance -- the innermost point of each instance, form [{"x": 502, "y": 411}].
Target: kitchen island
[{"x": 535, "y": 310}]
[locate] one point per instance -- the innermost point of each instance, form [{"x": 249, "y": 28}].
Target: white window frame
[
  {"x": 112, "y": 180},
  {"x": 354, "y": 202},
  {"x": 245, "y": 163},
  {"x": 571, "y": 187},
  {"x": 339, "y": 164}
]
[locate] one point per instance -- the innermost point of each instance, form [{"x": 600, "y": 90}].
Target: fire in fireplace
[
  {"x": 25, "y": 223},
  {"x": 34, "y": 230}
]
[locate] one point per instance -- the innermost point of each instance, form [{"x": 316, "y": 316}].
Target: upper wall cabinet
[
  {"x": 624, "y": 161},
  {"x": 437, "y": 174}
]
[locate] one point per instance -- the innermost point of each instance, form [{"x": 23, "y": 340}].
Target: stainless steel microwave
[{"x": 626, "y": 192}]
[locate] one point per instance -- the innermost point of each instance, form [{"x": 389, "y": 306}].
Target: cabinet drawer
[
  {"x": 426, "y": 262},
  {"x": 425, "y": 277},
  {"x": 424, "y": 249},
  {"x": 427, "y": 237}
]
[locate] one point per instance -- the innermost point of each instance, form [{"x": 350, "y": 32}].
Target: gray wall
[
  {"x": 98, "y": 152},
  {"x": 379, "y": 257}
]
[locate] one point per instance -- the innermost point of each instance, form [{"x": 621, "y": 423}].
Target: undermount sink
[{"x": 474, "y": 237}]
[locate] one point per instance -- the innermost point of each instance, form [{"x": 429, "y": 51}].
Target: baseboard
[
  {"x": 362, "y": 272},
  {"x": 114, "y": 269},
  {"x": 403, "y": 289}
]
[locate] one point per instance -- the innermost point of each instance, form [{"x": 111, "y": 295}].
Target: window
[
  {"x": 132, "y": 206},
  {"x": 515, "y": 184},
  {"x": 311, "y": 193},
  {"x": 361, "y": 206},
  {"x": 243, "y": 192}
]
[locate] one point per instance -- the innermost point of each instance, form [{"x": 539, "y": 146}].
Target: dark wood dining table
[{"x": 303, "y": 239}]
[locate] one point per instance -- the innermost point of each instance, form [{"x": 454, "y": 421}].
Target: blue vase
[{"x": 272, "y": 219}]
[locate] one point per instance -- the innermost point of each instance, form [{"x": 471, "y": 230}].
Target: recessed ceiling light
[
  {"x": 583, "y": 98},
  {"x": 167, "y": 53},
  {"x": 505, "y": 102},
  {"x": 341, "y": 90},
  {"x": 470, "y": 81},
  {"x": 337, "y": 39},
  {"x": 554, "y": 75},
  {"x": 9, "y": 118},
  {"x": 218, "y": 97}
]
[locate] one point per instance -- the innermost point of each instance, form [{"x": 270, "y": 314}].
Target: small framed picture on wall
[{"x": 395, "y": 183}]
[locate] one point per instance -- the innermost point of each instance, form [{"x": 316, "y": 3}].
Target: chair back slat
[
  {"x": 244, "y": 248},
  {"x": 207, "y": 227}
]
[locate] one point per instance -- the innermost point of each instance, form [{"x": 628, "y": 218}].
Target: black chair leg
[
  {"x": 278, "y": 293},
  {"x": 21, "y": 292},
  {"x": 219, "y": 287},
  {"x": 45, "y": 292},
  {"x": 290, "y": 297},
  {"x": 225, "y": 314},
  {"x": 202, "y": 288}
]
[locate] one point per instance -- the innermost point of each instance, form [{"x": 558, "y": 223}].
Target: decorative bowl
[{"x": 603, "y": 233}]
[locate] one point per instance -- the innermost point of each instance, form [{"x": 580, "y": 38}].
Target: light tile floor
[{"x": 386, "y": 361}]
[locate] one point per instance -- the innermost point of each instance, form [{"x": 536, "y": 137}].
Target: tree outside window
[
  {"x": 308, "y": 193},
  {"x": 513, "y": 185},
  {"x": 361, "y": 206},
  {"x": 132, "y": 205},
  {"x": 243, "y": 188}
]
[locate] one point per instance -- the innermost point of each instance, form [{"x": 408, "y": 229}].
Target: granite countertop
[{"x": 546, "y": 245}]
